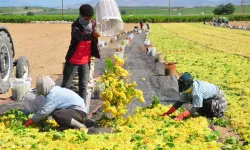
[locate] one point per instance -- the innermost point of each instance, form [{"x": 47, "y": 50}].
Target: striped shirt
[{"x": 201, "y": 91}]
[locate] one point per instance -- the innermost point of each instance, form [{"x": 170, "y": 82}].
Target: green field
[
  {"x": 126, "y": 19},
  {"x": 135, "y": 11},
  {"x": 9, "y": 10},
  {"x": 133, "y": 14},
  {"x": 155, "y": 11}
]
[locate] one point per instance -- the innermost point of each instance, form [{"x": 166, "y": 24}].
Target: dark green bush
[{"x": 126, "y": 19}]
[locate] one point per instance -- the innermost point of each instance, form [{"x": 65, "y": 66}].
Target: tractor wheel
[
  {"x": 6, "y": 62},
  {"x": 22, "y": 68}
]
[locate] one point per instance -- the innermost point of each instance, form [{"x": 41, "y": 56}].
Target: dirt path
[
  {"x": 142, "y": 66},
  {"x": 240, "y": 23}
]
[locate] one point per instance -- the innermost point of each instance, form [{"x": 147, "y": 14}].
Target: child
[{"x": 83, "y": 45}]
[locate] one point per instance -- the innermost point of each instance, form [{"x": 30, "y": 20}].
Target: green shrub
[
  {"x": 30, "y": 14},
  {"x": 126, "y": 19}
]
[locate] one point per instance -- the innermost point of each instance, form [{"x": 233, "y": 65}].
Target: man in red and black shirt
[{"x": 83, "y": 45}]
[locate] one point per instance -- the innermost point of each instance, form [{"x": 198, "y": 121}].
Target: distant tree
[
  {"x": 52, "y": 9},
  {"x": 30, "y": 14},
  {"x": 26, "y": 7},
  {"x": 123, "y": 12},
  {"x": 224, "y": 9},
  {"x": 218, "y": 10},
  {"x": 229, "y": 8}
]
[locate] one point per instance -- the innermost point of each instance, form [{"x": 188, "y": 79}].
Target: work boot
[{"x": 89, "y": 123}]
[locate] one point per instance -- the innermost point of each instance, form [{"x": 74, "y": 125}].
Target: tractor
[{"x": 7, "y": 62}]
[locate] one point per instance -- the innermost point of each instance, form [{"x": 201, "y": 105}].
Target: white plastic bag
[
  {"x": 108, "y": 18},
  {"x": 32, "y": 102}
]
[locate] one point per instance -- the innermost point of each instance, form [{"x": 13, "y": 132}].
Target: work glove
[
  {"x": 170, "y": 111},
  {"x": 28, "y": 122},
  {"x": 183, "y": 115}
]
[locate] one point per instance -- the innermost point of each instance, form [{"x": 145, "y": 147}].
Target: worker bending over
[
  {"x": 67, "y": 108},
  {"x": 206, "y": 98}
]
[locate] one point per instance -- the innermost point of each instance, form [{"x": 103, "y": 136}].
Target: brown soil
[
  {"x": 45, "y": 46},
  {"x": 240, "y": 23},
  {"x": 226, "y": 132}
]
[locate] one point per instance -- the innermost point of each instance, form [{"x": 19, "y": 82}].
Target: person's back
[
  {"x": 65, "y": 106},
  {"x": 206, "y": 98},
  {"x": 65, "y": 98}
]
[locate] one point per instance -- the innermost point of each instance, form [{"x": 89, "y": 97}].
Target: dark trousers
[
  {"x": 206, "y": 110},
  {"x": 64, "y": 116},
  {"x": 83, "y": 73}
]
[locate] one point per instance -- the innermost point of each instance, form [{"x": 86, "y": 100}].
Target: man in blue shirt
[
  {"x": 206, "y": 98},
  {"x": 67, "y": 107}
]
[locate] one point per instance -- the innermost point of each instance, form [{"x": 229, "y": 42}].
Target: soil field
[
  {"x": 240, "y": 23},
  {"x": 45, "y": 46}
]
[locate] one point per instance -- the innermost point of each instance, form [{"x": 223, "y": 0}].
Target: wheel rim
[
  {"x": 26, "y": 71},
  {"x": 4, "y": 63}
]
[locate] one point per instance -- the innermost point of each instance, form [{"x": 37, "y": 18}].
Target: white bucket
[
  {"x": 139, "y": 31},
  {"x": 147, "y": 42},
  {"x": 119, "y": 54},
  {"x": 102, "y": 43},
  {"x": 20, "y": 87},
  {"x": 152, "y": 51},
  {"x": 131, "y": 36},
  {"x": 148, "y": 51},
  {"x": 122, "y": 47},
  {"x": 127, "y": 42}
]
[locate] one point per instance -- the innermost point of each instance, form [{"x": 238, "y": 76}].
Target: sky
[
  {"x": 57, "y": 3},
  {"x": 47, "y": 3}
]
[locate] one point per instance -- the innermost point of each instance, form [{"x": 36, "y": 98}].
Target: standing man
[
  {"x": 141, "y": 25},
  {"x": 83, "y": 45},
  {"x": 206, "y": 98}
]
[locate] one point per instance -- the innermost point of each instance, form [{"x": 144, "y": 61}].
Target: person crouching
[
  {"x": 206, "y": 98},
  {"x": 66, "y": 107}
]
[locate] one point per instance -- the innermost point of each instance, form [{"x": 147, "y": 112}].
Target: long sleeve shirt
[
  {"x": 59, "y": 98},
  {"x": 201, "y": 91}
]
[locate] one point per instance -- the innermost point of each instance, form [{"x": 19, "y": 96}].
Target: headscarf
[
  {"x": 44, "y": 85},
  {"x": 185, "y": 82}
]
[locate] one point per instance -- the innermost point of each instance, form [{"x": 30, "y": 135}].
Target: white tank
[{"x": 19, "y": 87}]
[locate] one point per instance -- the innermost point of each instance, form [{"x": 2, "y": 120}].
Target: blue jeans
[{"x": 83, "y": 73}]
